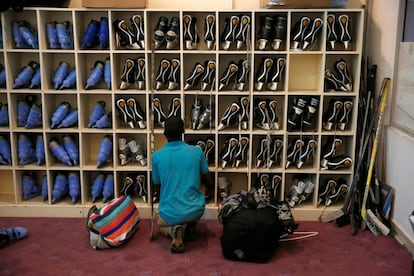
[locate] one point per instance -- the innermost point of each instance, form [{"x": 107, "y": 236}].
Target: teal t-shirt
[{"x": 177, "y": 167}]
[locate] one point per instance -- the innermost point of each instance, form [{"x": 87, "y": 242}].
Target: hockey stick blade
[{"x": 377, "y": 223}]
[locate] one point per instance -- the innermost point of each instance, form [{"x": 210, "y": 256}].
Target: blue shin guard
[
  {"x": 97, "y": 187},
  {"x": 61, "y": 188},
  {"x": 105, "y": 151},
  {"x": 29, "y": 187},
  {"x": 108, "y": 188},
  {"x": 74, "y": 186}
]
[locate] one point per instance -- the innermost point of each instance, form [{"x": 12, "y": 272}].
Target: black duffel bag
[{"x": 251, "y": 235}]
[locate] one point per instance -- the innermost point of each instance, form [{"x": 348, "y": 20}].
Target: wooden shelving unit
[{"x": 303, "y": 77}]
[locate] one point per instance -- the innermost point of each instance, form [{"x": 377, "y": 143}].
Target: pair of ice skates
[
  {"x": 168, "y": 74},
  {"x": 305, "y": 32},
  {"x": 299, "y": 192},
  {"x": 338, "y": 30},
  {"x": 331, "y": 190},
  {"x": 236, "y": 112},
  {"x": 268, "y": 152},
  {"x": 131, "y": 113},
  {"x": 302, "y": 113},
  {"x": 131, "y": 151},
  {"x": 201, "y": 116},
  {"x": 158, "y": 109},
  {"x": 270, "y": 73},
  {"x": 272, "y": 32},
  {"x": 265, "y": 114},
  {"x": 133, "y": 74},
  {"x": 268, "y": 185},
  {"x": 135, "y": 184},
  {"x": 330, "y": 159},
  {"x": 236, "y": 31},
  {"x": 125, "y": 38},
  {"x": 235, "y": 151},
  {"x": 204, "y": 73},
  {"x": 337, "y": 114},
  {"x": 301, "y": 151},
  {"x": 339, "y": 78}
]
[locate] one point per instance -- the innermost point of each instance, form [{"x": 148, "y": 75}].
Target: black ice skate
[
  {"x": 174, "y": 108},
  {"x": 307, "y": 152},
  {"x": 209, "y": 150},
  {"x": 262, "y": 152},
  {"x": 229, "y": 150},
  {"x": 331, "y": 36},
  {"x": 262, "y": 75},
  {"x": 241, "y": 153},
  {"x": 327, "y": 188},
  {"x": 242, "y": 32},
  {"x": 244, "y": 113},
  {"x": 128, "y": 74},
  {"x": 330, "y": 148},
  {"x": 343, "y": 116},
  {"x": 311, "y": 32},
  {"x": 209, "y": 75},
  {"x": 124, "y": 113},
  {"x": 159, "y": 115},
  {"x": 344, "y": 30},
  {"x": 330, "y": 117},
  {"x": 293, "y": 152},
  {"x": 341, "y": 191},
  {"x": 136, "y": 111},
  {"x": 138, "y": 26},
  {"x": 228, "y": 35},
  {"x": 230, "y": 116},
  {"x": 191, "y": 38},
  {"x": 163, "y": 73},
  {"x": 174, "y": 76},
  {"x": 333, "y": 82},
  {"x": 279, "y": 32},
  {"x": 228, "y": 75},
  {"x": 210, "y": 31},
  {"x": 140, "y": 77},
  {"x": 242, "y": 74},
  {"x": 276, "y": 73},
  {"x": 195, "y": 76},
  {"x": 274, "y": 152},
  {"x": 343, "y": 74},
  {"x": 265, "y": 32},
  {"x": 272, "y": 115},
  {"x": 338, "y": 162},
  {"x": 295, "y": 115},
  {"x": 173, "y": 32},
  {"x": 160, "y": 32},
  {"x": 124, "y": 36},
  {"x": 310, "y": 112},
  {"x": 298, "y": 32},
  {"x": 261, "y": 114}
]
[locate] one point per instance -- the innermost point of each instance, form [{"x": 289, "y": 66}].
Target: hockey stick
[
  {"x": 152, "y": 138},
  {"x": 326, "y": 217},
  {"x": 367, "y": 220}
]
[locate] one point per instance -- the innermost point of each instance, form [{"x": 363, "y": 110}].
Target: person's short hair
[{"x": 173, "y": 128}]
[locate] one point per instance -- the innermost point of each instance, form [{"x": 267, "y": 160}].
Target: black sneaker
[{"x": 177, "y": 234}]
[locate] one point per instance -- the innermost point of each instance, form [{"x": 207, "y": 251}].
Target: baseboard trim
[{"x": 403, "y": 238}]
